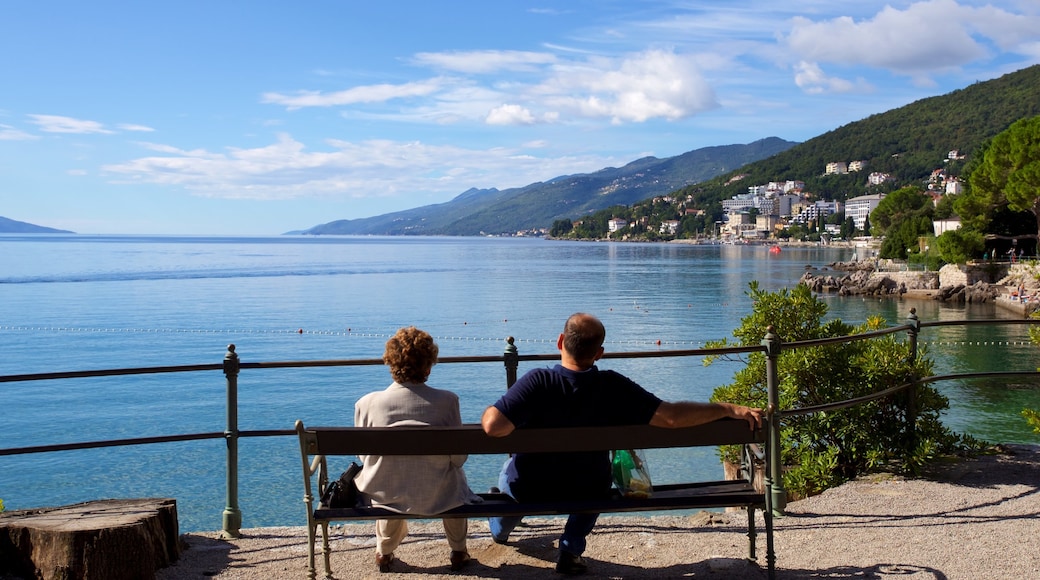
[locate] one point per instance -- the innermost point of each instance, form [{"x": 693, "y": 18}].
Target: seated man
[
  {"x": 576, "y": 394},
  {"x": 425, "y": 485}
]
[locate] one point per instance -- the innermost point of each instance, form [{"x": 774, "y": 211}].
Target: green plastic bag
[{"x": 631, "y": 476}]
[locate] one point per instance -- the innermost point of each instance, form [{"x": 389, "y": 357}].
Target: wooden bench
[{"x": 317, "y": 443}]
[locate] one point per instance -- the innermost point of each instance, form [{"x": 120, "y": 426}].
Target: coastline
[{"x": 969, "y": 518}]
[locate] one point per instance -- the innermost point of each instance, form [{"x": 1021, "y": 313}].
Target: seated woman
[{"x": 424, "y": 485}]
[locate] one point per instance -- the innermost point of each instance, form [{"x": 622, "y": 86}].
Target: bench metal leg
[
  {"x": 311, "y": 572},
  {"x": 325, "y": 549},
  {"x": 770, "y": 554},
  {"x": 751, "y": 533}
]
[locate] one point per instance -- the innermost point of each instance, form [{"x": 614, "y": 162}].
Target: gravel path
[{"x": 978, "y": 518}]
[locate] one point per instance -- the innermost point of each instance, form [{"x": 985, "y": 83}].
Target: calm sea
[{"x": 101, "y": 302}]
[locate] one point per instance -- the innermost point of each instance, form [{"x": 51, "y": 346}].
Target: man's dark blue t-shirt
[{"x": 560, "y": 397}]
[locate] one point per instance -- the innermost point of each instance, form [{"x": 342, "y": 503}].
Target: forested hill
[
  {"x": 909, "y": 142},
  {"x": 493, "y": 211}
]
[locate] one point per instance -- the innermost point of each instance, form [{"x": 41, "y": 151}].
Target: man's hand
[{"x": 752, "y": 416}]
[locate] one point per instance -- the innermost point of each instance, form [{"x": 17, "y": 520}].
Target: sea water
[{"x": 103, "y": 302}]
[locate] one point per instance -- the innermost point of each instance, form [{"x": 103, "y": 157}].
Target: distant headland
[{"x": 9, "y": 226}]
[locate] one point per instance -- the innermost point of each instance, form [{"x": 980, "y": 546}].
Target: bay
[{"x": 99, "y": 302}]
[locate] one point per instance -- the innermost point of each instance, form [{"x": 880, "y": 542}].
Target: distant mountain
[
  {"x": 8, "y": 226},
  {"x": 493, "y": 211}
]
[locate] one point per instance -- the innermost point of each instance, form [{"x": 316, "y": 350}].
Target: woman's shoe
[{"x": 459, "y": 560}]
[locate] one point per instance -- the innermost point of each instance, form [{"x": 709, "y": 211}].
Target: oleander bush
[{"x": 825, "y": 449}]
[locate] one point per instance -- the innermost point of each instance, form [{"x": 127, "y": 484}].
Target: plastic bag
[{"x": 630, "y": 473}]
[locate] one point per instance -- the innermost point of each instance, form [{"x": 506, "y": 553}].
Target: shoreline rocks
[{"x": 875, "y": 278}]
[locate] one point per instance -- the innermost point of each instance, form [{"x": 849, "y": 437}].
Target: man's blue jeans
[{"x": 577, "y": 528}]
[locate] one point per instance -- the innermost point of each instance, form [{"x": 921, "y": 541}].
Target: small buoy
[
  {"x": 464, "y": 323},
  {"x": 658, "y": 343},
  {"x": 300, "y": 331}
]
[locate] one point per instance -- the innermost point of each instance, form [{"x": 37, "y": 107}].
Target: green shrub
[
  {"x": 1032, "y": 417},
  {"x": 824, "y": 449}
]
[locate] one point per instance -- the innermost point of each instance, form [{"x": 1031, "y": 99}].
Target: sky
[{"x": 223, "y": 117}]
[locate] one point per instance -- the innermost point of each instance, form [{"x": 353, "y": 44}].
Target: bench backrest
[{"x": 471, "y": 439}]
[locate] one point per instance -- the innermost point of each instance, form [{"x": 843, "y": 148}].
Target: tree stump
[{"x": 115, "y": 539}]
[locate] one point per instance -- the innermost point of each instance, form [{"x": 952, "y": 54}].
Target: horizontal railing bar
[
  {"x": 881, "y": 394},
  {"x": 978, "y": 375},
  {"x": 984, "y": 322},
  {"x": 289, "y": 432},
  {"x": 109, "y": 372},
  {"x": 112, "y": 443},
  {"x": 357, "y": 362},
  {"x": 844, "y": 404},
  {"x": 847, "y": 338}
]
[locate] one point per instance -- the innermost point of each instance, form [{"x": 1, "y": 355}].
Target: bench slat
[
  {"x": 471, "y": 439},
  {"x": 701, "y": 495}
]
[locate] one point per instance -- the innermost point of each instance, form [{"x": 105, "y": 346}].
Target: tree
[
  {"x": 1009, "y": 171},
  {"x": 822, "y": 450},
  {"x": 561, "y": 228},
  {"x": 901, "y": 204},
  {"x": 902, "y": 217},
  {"x": 848, "y": 228},
  {"x": 959, "y": 246}
]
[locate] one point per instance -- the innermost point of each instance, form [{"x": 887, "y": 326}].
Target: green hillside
[{"x": 908, "y": 143}]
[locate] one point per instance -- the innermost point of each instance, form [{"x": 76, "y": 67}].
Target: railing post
[
  {"x": 911, "y": 393},
  {"x": 774, "y": 479},
  {"x": 915, "y": 328},
  {"x": 511, "y": 359},
  {"x": 232, "y": 515}
]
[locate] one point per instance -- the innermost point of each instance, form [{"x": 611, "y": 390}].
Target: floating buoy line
[{"x": 361, "y": 333}]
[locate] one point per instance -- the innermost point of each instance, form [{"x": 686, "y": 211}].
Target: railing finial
[{"x": 511, "y": 358}]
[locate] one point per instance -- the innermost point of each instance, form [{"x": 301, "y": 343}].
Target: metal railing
[{"x": 771, "y": 346}]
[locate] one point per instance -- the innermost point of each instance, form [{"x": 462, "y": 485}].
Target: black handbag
[{"x": 343, "y": 492}]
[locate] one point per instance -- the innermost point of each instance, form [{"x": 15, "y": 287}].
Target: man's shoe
[
  {"x": 459, "y": 560},
  {"x": 497, "y": 539},
  {"x": 384, "y": 561},
  {"x": 571, "y": 564}
]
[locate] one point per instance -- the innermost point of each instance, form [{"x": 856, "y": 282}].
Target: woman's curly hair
[{"x": 410, "y": 354}]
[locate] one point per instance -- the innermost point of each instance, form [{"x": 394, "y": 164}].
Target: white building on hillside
[{"x": 859, "y": 208}]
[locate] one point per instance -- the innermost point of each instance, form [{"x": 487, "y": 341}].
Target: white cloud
[
  {"x": 510, "y": 115},
  {"x": 634, "y": 88},
  {"x": 485, "y": 61},
  {"x": 9, "y": 133},
  {"x": 364, "y": 94},
  {"x": 810, "y": 78},
  {"x": 652, "y": 84},
  {"x": 59, "y": 124},
  {"x": 140, "y": 128},
  {"x": 376, "y": 168},
  {"x": 929, "y": 36}
]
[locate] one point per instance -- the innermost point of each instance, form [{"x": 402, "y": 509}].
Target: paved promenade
[{"x": 978, "y": 518}]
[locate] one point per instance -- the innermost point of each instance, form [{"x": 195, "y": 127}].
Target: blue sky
[{"x": 257, "y": 117}]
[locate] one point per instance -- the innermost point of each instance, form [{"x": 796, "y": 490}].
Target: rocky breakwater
[{"x": 883, "y": 278}]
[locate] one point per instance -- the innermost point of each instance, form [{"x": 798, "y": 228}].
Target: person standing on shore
[
  {"x": 575, "y": 393},
  {"x": 413, "y": 484}
]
